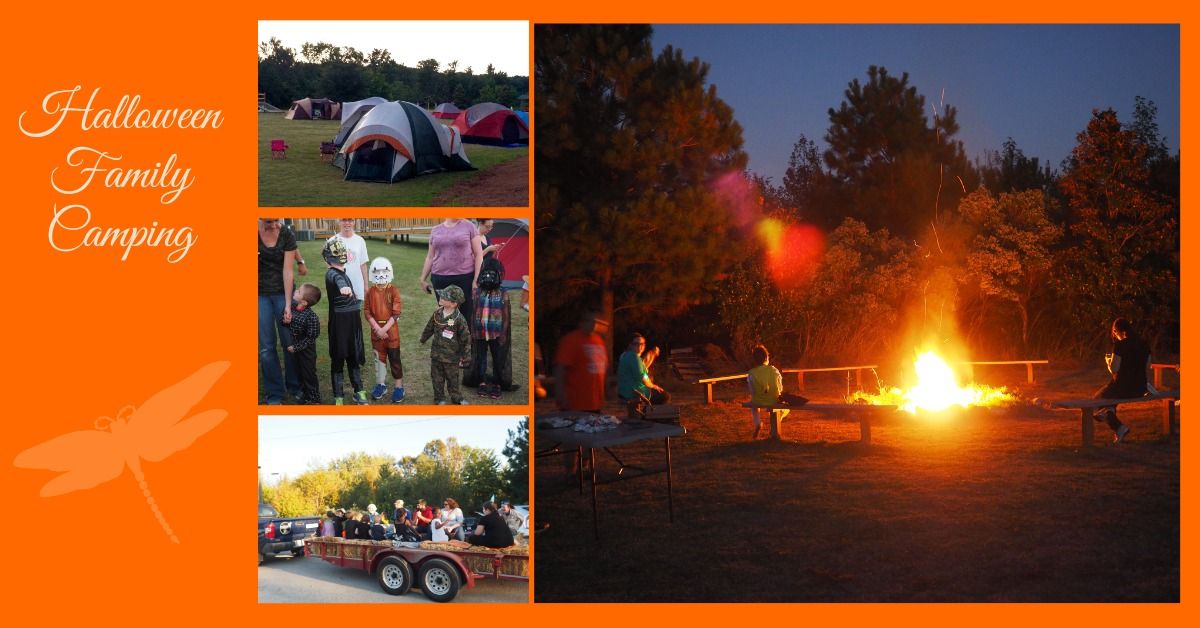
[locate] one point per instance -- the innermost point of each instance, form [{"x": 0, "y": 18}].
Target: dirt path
[{"x": 505, "y": 185}]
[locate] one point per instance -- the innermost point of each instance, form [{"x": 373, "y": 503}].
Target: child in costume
[
  {"x": 451, "y": 346},
  {"x": 345, "y": 326},
  {"x": 306, "y": 328},
  {"x": 491, "y": 331},
  {"x": 381, "y": 308}
]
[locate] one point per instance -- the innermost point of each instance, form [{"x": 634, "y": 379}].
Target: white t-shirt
[
  {"x": 437, "y": 532},
  {"x": 356, "y": 256}
]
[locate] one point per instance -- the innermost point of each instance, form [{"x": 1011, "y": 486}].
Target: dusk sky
[{"x": 1035, "y": 83}]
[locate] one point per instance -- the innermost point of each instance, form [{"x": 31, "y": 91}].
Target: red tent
[
  {"x": 514, "y": 232},
  {"x": 490, "y": 123}
]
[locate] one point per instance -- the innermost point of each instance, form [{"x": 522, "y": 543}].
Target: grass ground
[
  {"x": 982, "y": 506},
  {"x": 304, "y": 180},
  {"x": 406, "y": 261}
]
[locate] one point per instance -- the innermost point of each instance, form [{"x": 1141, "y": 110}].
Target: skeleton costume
[{"x": 345, "y": 326}]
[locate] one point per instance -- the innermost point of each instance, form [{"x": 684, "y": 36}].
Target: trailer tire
[
  {"x": 439, "y": 580},
  {"x": 395, "y": 576}
]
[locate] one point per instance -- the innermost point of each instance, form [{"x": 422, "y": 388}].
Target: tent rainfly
[
  {"x": 491, "y": 123},
  {"x": 446, "y": 111},
  {"x": 348, "y": 108},
  {"x": 398, "y": 140},
  {"x": 314, "y": 109}
]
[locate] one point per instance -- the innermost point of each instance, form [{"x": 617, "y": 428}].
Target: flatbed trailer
[{"x": 439, "y": 573}]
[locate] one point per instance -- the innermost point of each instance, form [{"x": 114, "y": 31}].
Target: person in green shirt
[{"x": 633, "y": 373}]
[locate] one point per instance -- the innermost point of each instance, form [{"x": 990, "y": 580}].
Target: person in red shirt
[{"x": 580, "y": 365}]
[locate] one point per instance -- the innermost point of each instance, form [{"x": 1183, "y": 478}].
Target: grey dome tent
[
  {"x": 398, "y": 140},
  {"x": 348, "y": 108}
]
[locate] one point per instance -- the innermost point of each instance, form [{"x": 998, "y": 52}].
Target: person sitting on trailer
[{"x": 492, "y": 530}]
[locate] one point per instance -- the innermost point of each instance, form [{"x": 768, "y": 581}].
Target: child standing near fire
[
  {"x": 381, "y": 308},
  {"x": 345, "y": 326},
  {"x": 451, "y": 348}
]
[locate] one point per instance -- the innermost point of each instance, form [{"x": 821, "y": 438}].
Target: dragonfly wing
[
  {"x": 172, "y": 403},
  {"x": 80, "y": 479},
  {"x": 155, "y": 446},
  {"x": 89, "y": 458}
]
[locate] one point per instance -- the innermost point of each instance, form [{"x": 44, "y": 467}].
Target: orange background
[{"x": 89, "y": 333}]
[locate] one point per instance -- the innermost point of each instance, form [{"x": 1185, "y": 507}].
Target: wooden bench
[
  {"x": 1158, "y": 369},
  {"x": 1028, "y": 365},
  {"x": 709, "y": 381},
  {"x": 1086, "y": 407},
  {"x": 862, "y": 412}
]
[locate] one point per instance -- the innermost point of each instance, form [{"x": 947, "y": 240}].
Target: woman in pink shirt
[{"x": 454, "y": 257}]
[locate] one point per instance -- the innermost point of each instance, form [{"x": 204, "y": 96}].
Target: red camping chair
[
  {"x": 328, "y": 150},
  {"x": 278, "y": 149}
]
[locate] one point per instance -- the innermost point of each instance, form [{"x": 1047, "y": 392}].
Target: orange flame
[{"x": 937, "y": 389}]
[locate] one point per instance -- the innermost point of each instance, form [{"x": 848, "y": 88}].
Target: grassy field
[
  {"x": 304, "y": 180},
  {"x": 418, "y": 306},
  {"x": 983, "y": 506}
]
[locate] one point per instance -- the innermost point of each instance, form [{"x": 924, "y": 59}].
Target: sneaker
[
  {"x": 360, "y": 398},
  {"x": 337, "y": 401},
  {"x": 462, "y": 402},
  {"x": 495, "y": 394},
  {"x": 441, "y": 402},
  {"x": 483, "y": 390},
  {"x": 398, "y": 394},
  {"x": 378, "y": 391},
  {"x": 1119, "y": 437}
]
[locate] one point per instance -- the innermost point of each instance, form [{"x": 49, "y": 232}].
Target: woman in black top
[
  {"x": 491, "y": 531},
  {"x": 276, "y": 258}
]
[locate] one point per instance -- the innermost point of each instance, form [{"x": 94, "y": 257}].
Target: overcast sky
[
  {"x": 504, "y": 44},
  {"x": 1035, "y": 83},
  {"x": 286, "y": 444}
]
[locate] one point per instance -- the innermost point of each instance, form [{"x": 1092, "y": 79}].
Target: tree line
[
  {"x": 650, "y": 222},
  {"x": 347, "y": 74},
  {"x": 444, "y": 468}
]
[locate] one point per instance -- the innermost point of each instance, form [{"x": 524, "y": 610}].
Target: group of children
[{"x": 450, "y": 352}]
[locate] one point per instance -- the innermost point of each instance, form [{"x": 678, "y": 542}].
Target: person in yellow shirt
[{"x": 766, "y": 386}]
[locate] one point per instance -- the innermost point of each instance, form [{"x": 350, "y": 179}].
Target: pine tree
[
  {"x": 892, "y": 167},
  {"x": 628, "y": 144}
]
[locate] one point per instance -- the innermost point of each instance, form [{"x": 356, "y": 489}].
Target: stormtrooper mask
[{"x": 381, "y": 271}]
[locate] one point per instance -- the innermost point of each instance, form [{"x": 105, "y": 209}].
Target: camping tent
[
  {"x": 352, "y": 112},
  {"x": 524, "y": 116},
  {"x": 490, "y": 123},
  {"x": 446, "y": 110},
  {"x": 398, "y": 140},
  {"x": 348, "y": 108},
  {"x": 514, "y": 233},
  {"x": 314, "y": 109}
]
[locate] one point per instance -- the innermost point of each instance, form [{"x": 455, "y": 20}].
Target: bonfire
[{"x": 937, "y": 389}]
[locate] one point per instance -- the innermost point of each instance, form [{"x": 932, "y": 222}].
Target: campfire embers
[{"x": 936, "y": 390}]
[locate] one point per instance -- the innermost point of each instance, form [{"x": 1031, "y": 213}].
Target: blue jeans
[{"x": 270, "y": 331}]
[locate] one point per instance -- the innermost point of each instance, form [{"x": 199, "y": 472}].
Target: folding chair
[{"x": 278, "y": 149}]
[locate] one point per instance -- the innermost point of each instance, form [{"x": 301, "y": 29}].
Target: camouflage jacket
[{"x": 451, "y": 337}]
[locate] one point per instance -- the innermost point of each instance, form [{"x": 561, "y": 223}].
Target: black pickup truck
[{"x": 276, "y": 535}]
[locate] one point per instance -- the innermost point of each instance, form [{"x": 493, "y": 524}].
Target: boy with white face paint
[{"x": 382, "y": 311}]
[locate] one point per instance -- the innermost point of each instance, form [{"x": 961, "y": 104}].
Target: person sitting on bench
[
  {"x": 1128, "y": 362},
  {"x": 633, "y": 373},
  {"x": 766, "y": 386}
]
